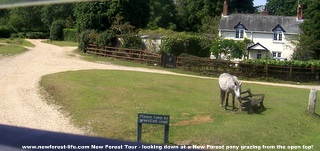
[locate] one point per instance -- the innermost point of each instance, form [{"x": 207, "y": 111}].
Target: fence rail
[{"x": 211, "y": 67}]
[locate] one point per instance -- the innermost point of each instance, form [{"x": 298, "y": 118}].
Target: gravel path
[{"x": 21, "y": 102}]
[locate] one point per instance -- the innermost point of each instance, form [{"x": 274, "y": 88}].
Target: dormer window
[
  {"x": 240, "y": 30},
  {"x": 278, "y": 33},
  {"x": 239, "y": 33}
]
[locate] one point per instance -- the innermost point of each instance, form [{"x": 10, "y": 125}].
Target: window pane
[
  {"x": 275, "y": 36},
  {"x": 279, "y": 55},
  {"x": 237, "y": 33},
  {"x": 258, "y": 56},
  {"x": 274, "y": 55},
  {"x": 241, "y": 33},
  {"x": 280, "y": 36}
]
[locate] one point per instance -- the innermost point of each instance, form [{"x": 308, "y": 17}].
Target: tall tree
[
  {"x": 192, "y": 15},
  {"x": 26, "y": 19},
  {"x": 162, "y": 14},
  {"x": 136, "y": 12},
  {"x": 284, "y": 7},
  {"x": 310, "y": 40},
  {"x": 92, "y": 15},
  {"x": 50, "y": 13},
  {"x": 241, "y": 6}
]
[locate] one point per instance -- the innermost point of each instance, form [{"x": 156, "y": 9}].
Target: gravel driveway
[{"x": 21, "y": 102}]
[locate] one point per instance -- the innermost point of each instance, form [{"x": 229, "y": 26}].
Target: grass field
[
  {"x": 13, "y": 46},
  {"x": 108, "y": 102}
]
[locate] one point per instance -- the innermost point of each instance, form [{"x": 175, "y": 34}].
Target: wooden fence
[
  {"x": 212, "y": 67},
  {"x": 125, "y": 53}
]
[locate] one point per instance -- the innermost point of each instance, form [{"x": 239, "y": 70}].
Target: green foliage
[
  {"x": 192, "y": 44},
  {"x": 50, "y": 13},
  {"x": 294, "y": 63},
  {"x": 121, "y": 27},
  {"x": 70, "y": 34},
  {"x": 283, "y": 7},
  {"x": 56, "y": 30},
  {"x": 26, "y": 19},
  {"x": 5, "y": 31},
  {"x": 132, "y": 41},
  {"x": 193, "y": 15},
  {"x": 87, "y": 37},
  {"x": 162, "y": 14},
  {"x": 92, "y": 15},
  {"x": 310, "y": 39},
  {"x": 106, "y": 38},
  {"x": 37, "y": 35},
  {"x": 236, "y": 49},
  {"x": 159, "y": 31}
]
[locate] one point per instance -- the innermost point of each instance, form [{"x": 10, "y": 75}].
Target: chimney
[
  {"x": 299, "y": 12},
  {"x": 225, "y": 8},
  {"x": 264, "y": 11}
]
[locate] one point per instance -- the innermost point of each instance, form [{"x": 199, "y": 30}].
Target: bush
[
  {"x": 70, "y": 34},
  {"x": 56, "y": 30},
  {"x": 132, "y": 41},
  {"x": 192, "y": 44},
  {"x": 106, "y": 38},
  {"x": 87, "y": 37},
  {"x": 5, "y": 31},
  {"x": 36, "y": 35},
  {"x": 18, "y": 35}
]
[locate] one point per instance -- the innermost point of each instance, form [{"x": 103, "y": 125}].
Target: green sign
[{"x": 153, "y": 119}]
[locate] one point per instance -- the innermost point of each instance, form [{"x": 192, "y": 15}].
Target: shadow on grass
[{"x": 14, "y": 138}]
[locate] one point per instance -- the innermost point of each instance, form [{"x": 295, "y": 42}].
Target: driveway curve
[{"x": 21, "y": 102}]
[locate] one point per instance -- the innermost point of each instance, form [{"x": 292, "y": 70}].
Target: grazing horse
[{"x": 229, "y": 84}]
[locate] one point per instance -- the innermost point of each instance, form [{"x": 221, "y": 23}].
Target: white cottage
[{"x": 271, "y": 35}]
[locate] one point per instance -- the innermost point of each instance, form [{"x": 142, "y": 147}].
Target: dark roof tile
[{"x": 260, "y": 23}]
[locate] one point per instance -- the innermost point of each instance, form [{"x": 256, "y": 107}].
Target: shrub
[
  {"x": 192, "y": 44},
  {"x": 18, "y": 35},
  {"x": 36, "y": 35},
  {"x": 132, "y": 41},
  {"x": 56, "y": 30},
  {"x": 86, "y": 37},
  {"x": 70, "y": 34},
  {"x": 106, "y": 38},
  {"x": 5, "y": 31}
]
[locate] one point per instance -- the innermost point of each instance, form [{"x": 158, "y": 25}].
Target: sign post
[{"x": 153, "y": 119}]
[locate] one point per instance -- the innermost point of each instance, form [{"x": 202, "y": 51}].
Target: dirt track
[{"x": 22, "y": 105}]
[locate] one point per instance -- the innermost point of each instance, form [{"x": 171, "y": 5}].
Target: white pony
[{"x": 229, "y": 84}]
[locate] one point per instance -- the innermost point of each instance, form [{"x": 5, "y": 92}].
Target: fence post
[{"x": 312, "y": 101}]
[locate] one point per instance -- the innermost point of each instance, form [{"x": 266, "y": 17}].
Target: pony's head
[{"x": 237, "y": 89}]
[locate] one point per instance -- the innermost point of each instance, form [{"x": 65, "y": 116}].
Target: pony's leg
[
  {"x": 222, "y": 96},
  {"x": 233, "y": 96},
  {"x": 239, "y": 106},
  {"x": 227, "y": 104}
]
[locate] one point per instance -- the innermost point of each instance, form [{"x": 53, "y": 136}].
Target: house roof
[
  {"x": 261, "y": 23},
  {"x": 257, "y": 46}
]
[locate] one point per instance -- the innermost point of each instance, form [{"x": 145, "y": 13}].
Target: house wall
[{"x": 266, "y": 39}]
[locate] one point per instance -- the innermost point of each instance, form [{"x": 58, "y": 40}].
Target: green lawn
[
  {"x": 13, "y": 46},
  {"x": 8, "y": 50},
  {"x": 108, "y": 102},
  {"x": 16, "y": 41}
]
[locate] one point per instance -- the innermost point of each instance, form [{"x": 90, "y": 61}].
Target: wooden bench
[{"x": 250, "y": 100}]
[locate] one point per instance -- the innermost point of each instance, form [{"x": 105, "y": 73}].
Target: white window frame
[
  {"x": 278, "y": 36},
  {"x": 276, "y": 55},
  {"x": 240, "y": 33}
]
